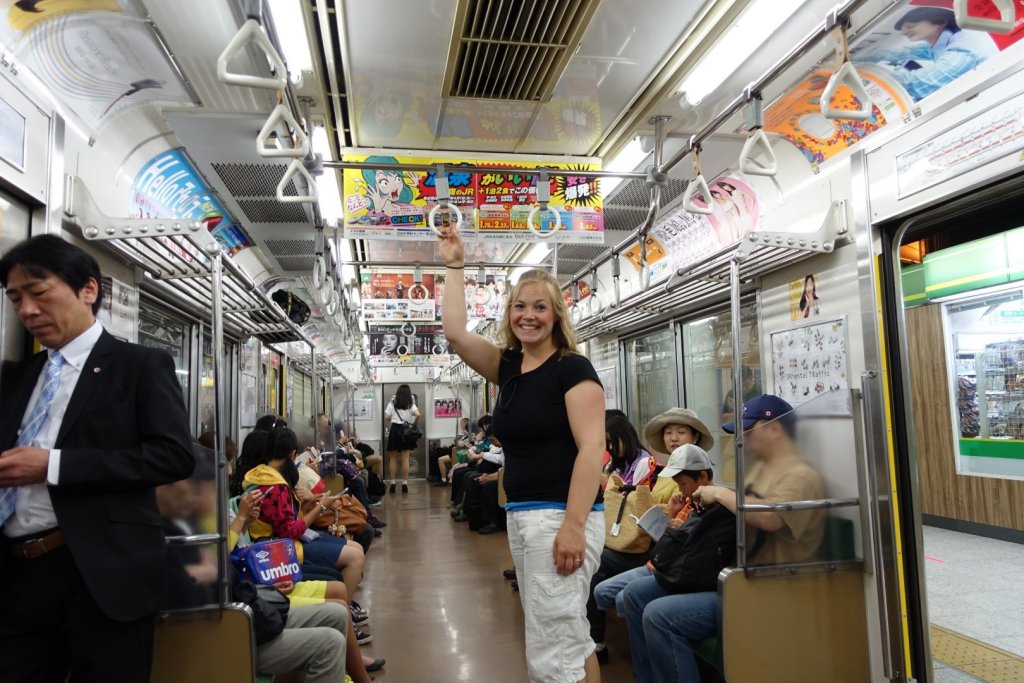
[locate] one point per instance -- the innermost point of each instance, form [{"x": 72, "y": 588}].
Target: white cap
[{"x": 686, "y": 458}]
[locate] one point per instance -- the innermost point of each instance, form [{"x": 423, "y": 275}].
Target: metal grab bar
[
  {"x": 1004, "y": 24},
  {"x": 252, "y": 31},
  {"x": 194, "y": 539},
  {"x": 820, "y": 504}
]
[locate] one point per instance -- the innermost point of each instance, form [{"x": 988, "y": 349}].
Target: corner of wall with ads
[{"x": 394, "y": 204}]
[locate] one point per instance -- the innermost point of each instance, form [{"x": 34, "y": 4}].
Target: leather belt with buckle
[{"x": 37, "y": 547}]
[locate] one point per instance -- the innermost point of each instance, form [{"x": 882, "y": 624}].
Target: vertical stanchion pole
[
  {"x": 314, "y": 389},
  {"x": 219, "y": 426},
  {"x": 737, "y": 411}
]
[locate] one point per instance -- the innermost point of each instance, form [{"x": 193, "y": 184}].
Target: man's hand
[{"x": 23, "y": 465}]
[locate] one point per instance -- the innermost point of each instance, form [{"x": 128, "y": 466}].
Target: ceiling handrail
[{"x": 252, "y": 31}]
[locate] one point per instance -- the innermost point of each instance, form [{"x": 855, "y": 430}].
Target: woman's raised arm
[{"x": 479, "y": 354}]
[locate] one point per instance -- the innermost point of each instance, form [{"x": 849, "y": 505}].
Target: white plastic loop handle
[
  {"x": 331, "y": 307},
  {"x": 252, "y": 31},
  {"x": 545, "y": 234},
  {"x": 1004, "y": 24},
  {"x": 757, "y": 145},
  {"x": 264, "y": 143},
  {"x": 846, "y": 75},
  {"x": 326, "y": 295},
  {"x": 421, "y": 301},
  {"x": 297, "y": 168},
  {"x": 433, "y": 212},
  {"x": 339, "y": 320},
  {"x": 408, "y": 329},
  {"x": 697, "y": 186},
  {"x": 319, "y": 271}
]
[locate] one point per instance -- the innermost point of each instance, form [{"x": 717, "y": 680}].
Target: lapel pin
[{"x": 96, "y": 370}]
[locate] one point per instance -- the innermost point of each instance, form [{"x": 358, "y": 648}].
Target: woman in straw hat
[{"x": 674, "y": 428}]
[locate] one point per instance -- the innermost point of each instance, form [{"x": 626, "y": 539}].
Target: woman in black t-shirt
[{"x": 549, "y": 416}]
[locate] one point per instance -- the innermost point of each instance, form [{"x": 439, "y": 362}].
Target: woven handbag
[{"x": 621, "y": 508}]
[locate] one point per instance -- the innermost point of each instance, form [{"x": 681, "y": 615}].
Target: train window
[
  {"x": 207, "y": 395},
  {"x": 160, "y": 330},
  {"x": 651, "y": 375},
  {"x": 986, "y": 340},
  {"x": 603, "y": 353},
  {"x": 708, "y": 376},
  {"x": 15, "y": 220}
]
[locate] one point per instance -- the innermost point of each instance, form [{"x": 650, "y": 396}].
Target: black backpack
[{"x": 688, "y": 559}]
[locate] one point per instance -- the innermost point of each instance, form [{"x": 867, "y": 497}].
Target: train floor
[
  {"x": 440, "y": 610},
  {"x": 976, "y": 606}
]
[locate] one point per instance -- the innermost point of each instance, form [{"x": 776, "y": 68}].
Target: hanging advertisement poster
[
  {"x": 119, "y": 309},
  {"x": 448, "y": 407},
  {"x": 408, "y": 344},
  {"x": 913, "y": 50},
  {"x": 394, "y": 205},
  {"x": 98, "y": 63},
  {"x": 396, "y": 296},
  {"x": 485, "y": 299},
  {"x": 682, "y": 238},
  {"x": 167, "y": 186}
]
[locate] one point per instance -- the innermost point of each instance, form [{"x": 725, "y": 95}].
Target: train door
[
  {"x": 418, "y": 455},
  {"x": 15, "y": 222},
  {"x": 954, "y": 295}
]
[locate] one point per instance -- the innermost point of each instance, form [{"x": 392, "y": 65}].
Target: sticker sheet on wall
[
  {"x": 809, "y": 363},
  {"x": 394, "y": 204},
  {"x": 682, "y": 238},
  {"x": 92, "y": 54}
]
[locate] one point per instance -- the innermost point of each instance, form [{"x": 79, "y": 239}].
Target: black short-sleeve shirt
[{"x": 532, "y": 422}]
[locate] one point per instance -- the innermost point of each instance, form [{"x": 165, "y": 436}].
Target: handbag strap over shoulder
[{"x": 622, "y": 508}]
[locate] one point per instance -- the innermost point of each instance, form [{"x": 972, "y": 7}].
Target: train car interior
[{"x": 815, "y": 200}]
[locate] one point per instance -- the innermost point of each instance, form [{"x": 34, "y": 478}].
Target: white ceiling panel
[
  {"x": 197, "y": 31},
  {"x": 620, "y": 53},
  {"x": 397, "y": 52}
]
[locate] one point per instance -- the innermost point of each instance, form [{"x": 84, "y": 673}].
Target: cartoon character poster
[{"x": 394, "y": 204}]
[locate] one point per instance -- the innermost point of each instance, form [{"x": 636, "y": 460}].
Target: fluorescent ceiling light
[
  {"x": 631, "y": 156},
  {"x": 755, "y": 24},
  {"x": 291, "y": 34},
  {"x": 327, "y": 184}
]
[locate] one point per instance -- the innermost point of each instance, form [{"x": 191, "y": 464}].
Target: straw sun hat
[{"x": 677, "y": 416}]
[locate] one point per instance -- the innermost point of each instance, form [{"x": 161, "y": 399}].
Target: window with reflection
[
  {"x": 603, "y": 352},
  {"x": 708, "y": 373},
  {"x": 651, "y": 384},
  {"x": 161, "y": 330}
]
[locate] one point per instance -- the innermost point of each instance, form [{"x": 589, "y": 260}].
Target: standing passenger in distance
[
  {"x": 89, "y": 427},
  {"x": 401, "y": 410},
  {"x": 550, "y": 417}
]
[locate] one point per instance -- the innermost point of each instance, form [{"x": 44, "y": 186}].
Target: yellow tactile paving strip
[{"x": 979, "y": 659}]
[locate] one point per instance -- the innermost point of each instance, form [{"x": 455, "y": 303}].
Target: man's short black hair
[
  {"x": 46, "y": 255},
  {"x": 695, "y": 474}
]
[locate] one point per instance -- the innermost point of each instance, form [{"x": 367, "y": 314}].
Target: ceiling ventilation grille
[{"x": 513, "y": 50}]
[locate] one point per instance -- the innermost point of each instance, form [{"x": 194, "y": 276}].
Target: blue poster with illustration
[{"x": 168, "y": 186}]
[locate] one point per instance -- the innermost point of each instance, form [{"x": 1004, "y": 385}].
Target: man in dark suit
[{"x": 88, "y": 428}]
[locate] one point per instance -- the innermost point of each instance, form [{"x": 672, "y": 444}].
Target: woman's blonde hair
[{"x": 563, "y": 334}]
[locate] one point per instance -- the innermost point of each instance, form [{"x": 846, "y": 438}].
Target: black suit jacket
[{"x": 125, "y": 432}]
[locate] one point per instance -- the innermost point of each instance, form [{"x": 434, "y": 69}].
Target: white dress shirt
[{"x": 33, "y": 511}]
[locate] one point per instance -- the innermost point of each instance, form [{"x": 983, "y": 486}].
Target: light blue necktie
[{"x": 36, "y": 418}]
